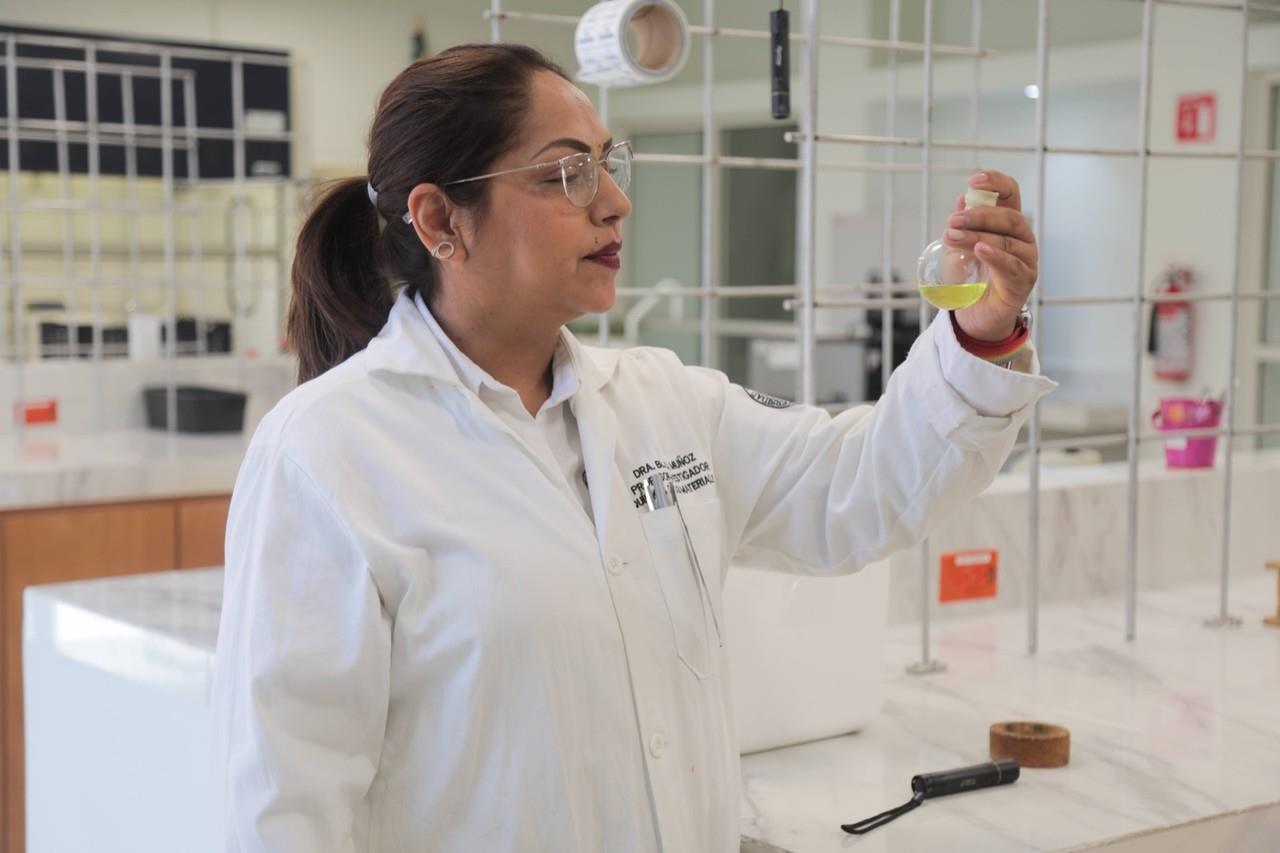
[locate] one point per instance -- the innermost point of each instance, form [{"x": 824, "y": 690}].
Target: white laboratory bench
[
  {"x": 43, "y": 467},
  {"x": 1175, "y": 736}
]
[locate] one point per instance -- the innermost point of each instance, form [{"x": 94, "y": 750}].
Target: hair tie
[{"x": 407, "y": 218}]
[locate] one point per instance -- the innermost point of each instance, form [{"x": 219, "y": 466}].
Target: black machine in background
[
  {"x": 906, "y": 328},
  {"x": 65, "y": 338},
  {"x": 217, "y": 336}
]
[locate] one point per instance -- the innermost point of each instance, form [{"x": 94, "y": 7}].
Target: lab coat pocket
[{"x": 688, "y": 573}]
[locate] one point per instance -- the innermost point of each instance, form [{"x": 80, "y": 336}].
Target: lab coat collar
[
  {"x": 565, "y": 373},
  {"x": 406, "y": 345}
]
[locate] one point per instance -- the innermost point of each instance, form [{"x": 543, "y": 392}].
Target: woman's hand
[{"x": 1002, "y": 239}]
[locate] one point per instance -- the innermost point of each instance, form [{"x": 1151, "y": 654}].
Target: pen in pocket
[{"x": 660, "y": 492}]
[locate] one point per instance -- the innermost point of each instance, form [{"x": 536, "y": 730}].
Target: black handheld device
[
  {"x": 929, "y": 785},
  {"x": 780, "y": 62},
  {"x": 985, "y": 775}
]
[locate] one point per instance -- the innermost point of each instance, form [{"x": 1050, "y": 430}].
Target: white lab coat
[{"x": 428, "y": 645}]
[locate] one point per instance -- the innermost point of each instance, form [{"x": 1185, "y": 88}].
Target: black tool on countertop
[
  {"x": 929, "y": 785},
  {"x": 780, "y": 61}
]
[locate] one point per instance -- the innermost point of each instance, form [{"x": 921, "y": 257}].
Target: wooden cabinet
[
  {"x": 201, "y": 526},
  {"x": 80, "y": 543}
]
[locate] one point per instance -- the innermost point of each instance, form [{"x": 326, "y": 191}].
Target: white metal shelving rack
[
  {"x": 806, "y": 297},
  {"x": 173, "y": 134}
]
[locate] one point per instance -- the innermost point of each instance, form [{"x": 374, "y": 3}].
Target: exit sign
[{"x": 1197, "y": 117}]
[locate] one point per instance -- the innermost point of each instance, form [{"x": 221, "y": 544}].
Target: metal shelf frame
[
  {"x": 805, "y": 297},
  {"x": 245, "y": 259}
]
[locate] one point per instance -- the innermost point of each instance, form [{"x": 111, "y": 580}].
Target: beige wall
[{"x": 345, "y": 52}]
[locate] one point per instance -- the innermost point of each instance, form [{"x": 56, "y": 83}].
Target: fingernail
[
  {"x": 979, "y": 178},
  {"x": 983, "y": 249},
  {"x": 958, "y": 220},
  {"x": 953, "y": 234}
]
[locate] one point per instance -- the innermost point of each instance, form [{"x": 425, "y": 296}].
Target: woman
[{"x": 473, "y": 576}]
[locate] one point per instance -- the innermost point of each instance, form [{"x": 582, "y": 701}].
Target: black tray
[{"x": 199, "y": 409}]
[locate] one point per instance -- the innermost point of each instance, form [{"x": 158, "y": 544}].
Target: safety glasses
[{"x": 579, "y": 173}]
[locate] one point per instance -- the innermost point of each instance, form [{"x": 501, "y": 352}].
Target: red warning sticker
[{"x": 968, "y": 574}]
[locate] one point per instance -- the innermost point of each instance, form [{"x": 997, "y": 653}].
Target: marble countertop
[
  {"x": 1117, "y": 473},
  {"x": 50, "y": 467},
  {"x": 1180, "y": 725},
  {"x": 180, "y": 606}
]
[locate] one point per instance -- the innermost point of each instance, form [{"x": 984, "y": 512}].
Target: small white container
[{"x": 144, "y": 336}]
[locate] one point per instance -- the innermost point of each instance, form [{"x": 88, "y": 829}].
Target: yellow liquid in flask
[{"x": 953, "y": 297}]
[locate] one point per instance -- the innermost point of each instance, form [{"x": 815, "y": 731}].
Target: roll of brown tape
[{"x": 1030, "y": 743}]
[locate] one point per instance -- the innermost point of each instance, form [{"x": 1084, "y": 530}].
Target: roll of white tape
[{"x": 631, "y": 42}]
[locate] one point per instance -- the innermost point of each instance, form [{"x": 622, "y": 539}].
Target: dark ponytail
[
  {"x": 442, "y": 119},
  {"x": 339, "y": 300}
]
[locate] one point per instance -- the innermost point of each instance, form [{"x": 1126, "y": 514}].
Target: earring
[{"x": 443, "y": 251}]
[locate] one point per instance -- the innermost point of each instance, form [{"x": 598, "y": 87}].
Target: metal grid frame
[
  {"x": 806, "y": 297},
  {"x": 132, "y": 136}
]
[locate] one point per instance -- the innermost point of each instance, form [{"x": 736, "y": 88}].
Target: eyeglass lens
[{"x": 581, "y": 174}]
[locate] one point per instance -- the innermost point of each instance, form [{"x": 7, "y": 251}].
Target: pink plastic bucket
[{"x": 1188, "y": 413}]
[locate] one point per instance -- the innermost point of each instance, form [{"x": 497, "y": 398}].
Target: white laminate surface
[{"x": 116, "y": 677}]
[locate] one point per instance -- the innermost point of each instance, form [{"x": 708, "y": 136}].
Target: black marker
[{"x": 780, "y": 61}]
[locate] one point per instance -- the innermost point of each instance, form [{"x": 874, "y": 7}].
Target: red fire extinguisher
[{"x": 1170, "y": 340}]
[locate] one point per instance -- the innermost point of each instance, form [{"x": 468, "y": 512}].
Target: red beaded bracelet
[{"x": 996, "y": 351}]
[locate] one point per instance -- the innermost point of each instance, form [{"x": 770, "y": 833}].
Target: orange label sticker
[
  {"x": 968, "y": 574},
  {"x": 36, "y": 411}
]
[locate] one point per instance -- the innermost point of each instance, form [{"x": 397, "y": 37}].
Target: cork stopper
[{"x": 979, "y": 198}]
